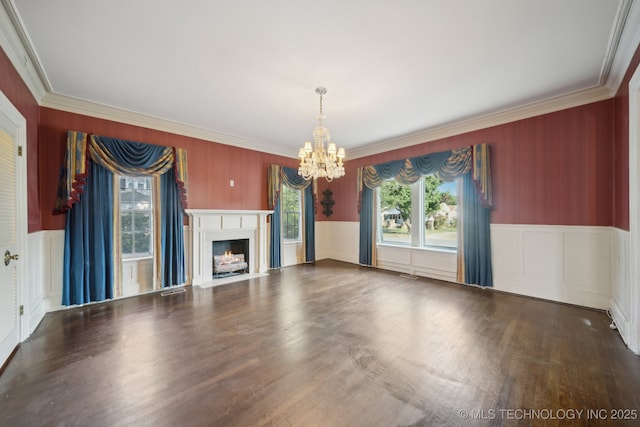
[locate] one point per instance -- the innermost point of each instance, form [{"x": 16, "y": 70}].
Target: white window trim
[
  {"x": 139, "y": 256},
  {"x": 417, "y": 217},
  {"x": 282, "y": 228}
]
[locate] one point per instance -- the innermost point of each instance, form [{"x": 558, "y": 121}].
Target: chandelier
[{"x": 316, "y": 162}]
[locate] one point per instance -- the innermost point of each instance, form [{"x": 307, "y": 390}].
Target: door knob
[{"x": 8, "y": 257}]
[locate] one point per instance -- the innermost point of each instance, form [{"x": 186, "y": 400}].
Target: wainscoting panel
[
  {"x": 586, "y": 266},
  {"x": 324, "y": 241},
  {"x": 137, "y": 277},
  {"x": 584, "y": 250},
  {"x": 571, "y": 264},
  {"x": 621, "y": 285},
  {"x": 46, "y": 249},
  {"x": 400, "y": 257},
  {"x": 542, "y": 255},
  {"x": 418, "y": 262},
  {"x": 33, "y": 296},
  {"x": 436, "y": 264},
  {"x": 338, "y": 240},
  {"x": 510, "y": 253},
  {"x": 292, "y": 253},
  {"x": 51, "y": 247}
]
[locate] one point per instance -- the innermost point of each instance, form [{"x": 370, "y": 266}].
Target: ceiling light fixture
[{"x": 316, "y": 162}]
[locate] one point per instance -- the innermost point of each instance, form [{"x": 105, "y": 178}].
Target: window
[
  {"x": 136, "y": 217},
  {"x": 440, "y": 213},
  {"x": 290, "y": 208},
  {"x": 423, "y": 214},
  {"x": 395, "y": 212}
]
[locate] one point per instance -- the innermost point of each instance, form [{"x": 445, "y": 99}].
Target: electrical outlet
[{"x": 232, "y": 183}]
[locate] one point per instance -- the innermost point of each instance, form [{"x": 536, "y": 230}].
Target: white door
[{"x": 9, "y": 235}]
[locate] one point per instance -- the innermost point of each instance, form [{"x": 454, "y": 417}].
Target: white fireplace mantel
[{"x": 208, "y": 225}]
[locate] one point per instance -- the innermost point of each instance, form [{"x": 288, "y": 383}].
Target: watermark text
[{"x": 548, "y": 414}]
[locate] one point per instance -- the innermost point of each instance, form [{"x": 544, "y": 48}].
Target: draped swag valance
[
  {"x": 278, "y": 176},
  {"x": 127, "y": 158},
  {"x": 86, "y": 192},
  {"x": 471, "y": 165},
  {"x": 446, "y": 165}
]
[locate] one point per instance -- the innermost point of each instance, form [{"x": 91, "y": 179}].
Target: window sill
[
  {"x": 292, "y": 242},
  {"x": 419, "y": 248},
  {"x": 135, "y": 259}
]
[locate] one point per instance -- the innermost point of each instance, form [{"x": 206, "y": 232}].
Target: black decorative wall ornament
[{"x": 327, "y": 202}]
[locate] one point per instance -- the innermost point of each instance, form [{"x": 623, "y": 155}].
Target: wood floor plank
[{"x": 322, "y": 345}]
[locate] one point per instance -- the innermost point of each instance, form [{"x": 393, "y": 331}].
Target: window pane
[
  {"x": 441, "y": 213},
  {"x": 142, "y": 199},
  {"x": 395, "y": 213},
  {"x": 291, "y": 228},
  {"x": 142, "y": 221},
  {"x": 142, "y": 243},
  {"x": 125, "y": 222},
  {"x": 290, "y": 207},
  {"x": 135, "y": 216},
  {"x": 127, "y": 244},
  {"x": 126, "y": 199}
]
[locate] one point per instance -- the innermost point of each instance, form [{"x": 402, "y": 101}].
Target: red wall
[
  {"x": 566, "y": 168},
  {"x": 18, "y": 93},
  {"x": 211, "y": 165},
  {"x": 621, "y": 148},
  {"x": 554, "y": 169}
]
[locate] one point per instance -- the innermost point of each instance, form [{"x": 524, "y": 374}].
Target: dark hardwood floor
[{"x": 327, "y": 345}]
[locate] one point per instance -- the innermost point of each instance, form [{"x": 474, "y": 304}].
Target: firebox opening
[{"x": 230, "y": 257}]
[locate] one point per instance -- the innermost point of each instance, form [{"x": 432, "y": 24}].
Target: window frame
[
  {"x": 283, "y": 223},
  {"x": 135, "y": 186},
  {"x": 418, "y": 216}
]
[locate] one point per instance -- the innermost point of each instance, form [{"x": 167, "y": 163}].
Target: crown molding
[
  {"x": 628, "y": 19},
  {"x": 15, "y": 43},
  {"x": 93, "y": 109},
  {"x": 614, "y": 39},
  {"x": 78, "y": 106},
  {"x": 533, "y": 109},
  {"x": 624, "y": 41}
]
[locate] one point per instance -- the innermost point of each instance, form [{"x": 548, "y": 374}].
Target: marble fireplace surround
[{"x": 209, "y": 225}]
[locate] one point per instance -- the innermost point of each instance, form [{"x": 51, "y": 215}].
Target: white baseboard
[{"x": 620, "y": 320}]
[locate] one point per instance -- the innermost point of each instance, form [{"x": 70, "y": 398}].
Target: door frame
[
  {"x": 634, "y": 211},
  {"x": 18, "y": 130}
]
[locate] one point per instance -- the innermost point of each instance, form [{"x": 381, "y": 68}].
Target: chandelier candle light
[{"x": 318, "y": 163}]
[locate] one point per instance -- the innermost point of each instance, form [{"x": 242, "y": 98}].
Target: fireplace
[
  {"x": 230, "y": 257},
  {"x": 244, "y": 231}
]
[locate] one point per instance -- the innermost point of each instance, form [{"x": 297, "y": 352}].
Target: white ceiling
[{"x": 244, "y": 72}]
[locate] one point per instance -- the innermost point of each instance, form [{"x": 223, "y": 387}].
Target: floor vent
[
  {"x": 408, "y": 276},
  {"x": 173, "y": 292}
]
